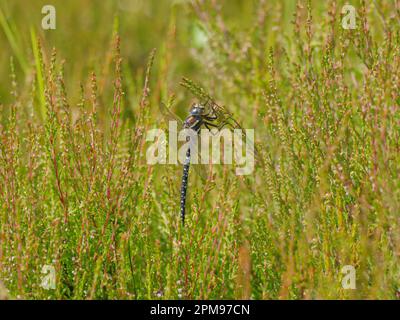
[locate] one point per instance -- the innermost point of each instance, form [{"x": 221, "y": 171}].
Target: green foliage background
[{"x": 76, "y": 192}]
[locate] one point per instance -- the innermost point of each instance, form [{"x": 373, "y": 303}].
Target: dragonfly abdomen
[{"x": 184, "y": 185}]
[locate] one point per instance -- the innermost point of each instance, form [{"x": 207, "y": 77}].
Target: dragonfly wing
[
  {"x": 223, "y": 116},
  {"x": 199, "y": 168},
  {"x": 168, "y": 114}
]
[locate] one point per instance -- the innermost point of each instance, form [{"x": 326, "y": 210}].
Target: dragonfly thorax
[
  {"x": 195, "y": 118},
  {"x": 193, "y": 122}
]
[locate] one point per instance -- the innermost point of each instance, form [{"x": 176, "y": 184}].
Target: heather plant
[{"x": 76, "y": 193}]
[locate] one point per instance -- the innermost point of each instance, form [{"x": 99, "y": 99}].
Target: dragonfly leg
[
  {"x": 210, "y": 118},
  {"x": 208, "y": 124}
]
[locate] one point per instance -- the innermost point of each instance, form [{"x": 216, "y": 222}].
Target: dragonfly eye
[{"x": 197, "y": 109}]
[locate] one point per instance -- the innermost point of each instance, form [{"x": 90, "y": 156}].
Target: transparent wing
[
  {"x": 223, "y": 116},
  {"x": 168, "y": 115}
]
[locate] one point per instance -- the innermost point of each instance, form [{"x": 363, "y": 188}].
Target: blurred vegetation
[{"x": 76, "y": 192}]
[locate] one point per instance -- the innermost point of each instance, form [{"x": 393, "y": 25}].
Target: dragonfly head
[{"x": 197, "y": 109}]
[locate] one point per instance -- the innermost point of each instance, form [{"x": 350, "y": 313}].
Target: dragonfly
[{"x": 205, "y": 112}]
